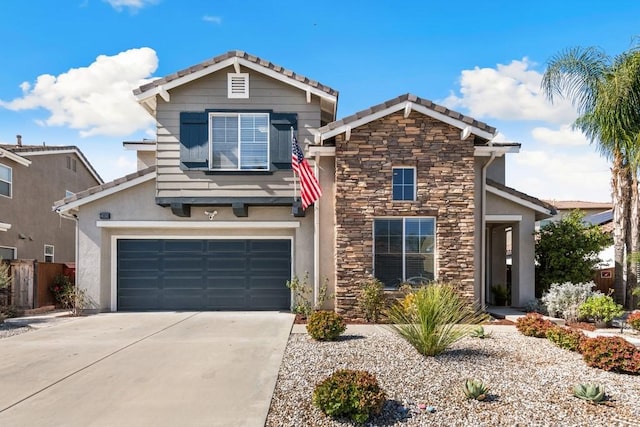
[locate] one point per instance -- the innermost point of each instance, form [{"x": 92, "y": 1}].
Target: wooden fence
[{"x": 31, "y": 281}]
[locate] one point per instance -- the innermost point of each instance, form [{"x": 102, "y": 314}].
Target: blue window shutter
[
  {"x": 194, "y": 140},
  {"x": 280, "y": 150}
]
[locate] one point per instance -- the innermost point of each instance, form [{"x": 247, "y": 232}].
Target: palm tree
[{"x": 606, "y": 94}]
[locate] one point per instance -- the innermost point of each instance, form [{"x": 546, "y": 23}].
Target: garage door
[{"x": 189, "y": 274}]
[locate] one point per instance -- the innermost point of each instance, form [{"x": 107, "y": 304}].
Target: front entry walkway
[{"x": 144, "y": 369}]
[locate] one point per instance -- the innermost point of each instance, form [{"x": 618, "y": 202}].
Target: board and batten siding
[{"x": 210, "y": 92}]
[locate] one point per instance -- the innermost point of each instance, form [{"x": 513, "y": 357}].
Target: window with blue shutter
[
  {"x": 194, "y": 141},
  {"x": 281, "y": 124}
]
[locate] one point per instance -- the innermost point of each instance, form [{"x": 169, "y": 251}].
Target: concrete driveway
[{"x": 144, "y": 369}]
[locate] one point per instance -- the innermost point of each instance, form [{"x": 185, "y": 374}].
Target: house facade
[
  {"x": 411, "y": 191},
  {"x": 32, "y": 177}
]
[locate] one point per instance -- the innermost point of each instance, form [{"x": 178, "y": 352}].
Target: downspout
[
  {"x": 316, "y": 239},
  {"x": 77, "y": 244},
  {"x": 483, "y": 226}
]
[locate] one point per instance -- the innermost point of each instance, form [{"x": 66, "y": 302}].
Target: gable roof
[
  {"x": 407, "y": 102},
  {"x": 521, "y": 198},
  {"x": 15, "y": 157},
  {"x": 106, "y": 189},
  {"x": 36, "y": 150},
  {"x": 235, "y": 58}
]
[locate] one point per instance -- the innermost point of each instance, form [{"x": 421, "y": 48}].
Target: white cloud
[
  {"x": 565, "y": 135},
  {"x": 126, "y": 164},
  {"x": 96, "y": 100},
  {"x": 582, "y": 175},
  {"x": 133, "y": 5},
  {"x": 212, "y": 19},
  {"x": 508, "y": 92}
]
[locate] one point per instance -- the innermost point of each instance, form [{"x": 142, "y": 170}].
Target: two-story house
[
  {"x": 411, "y": 190},
  {"x": 32, "y": 177}
]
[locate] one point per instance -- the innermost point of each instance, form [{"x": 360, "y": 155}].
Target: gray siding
[
  {"x": 210, "y": 92},
  {"x": 35, "y": 188}
]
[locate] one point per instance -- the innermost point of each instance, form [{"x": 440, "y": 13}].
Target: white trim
[
  {"x": 66, "y": 151},
  {"x": 322, "y": 151},
  {"x": 183, "y": 225},
  {"x": 487, "y": 151},
  {"x": 104, "y": 193},
  {"x": 139, "y": 146},
  {"x": 503, "y": 218},
  {"x": 238, "y": 115},
  {"x": 15, "y": 157},
  {"x": 52, "y": 254},
  {"x": 164, "y": 94},
  {"x": 415, "y": 183},
  {"x": 400, "y": 106},
  {"x": 517, "y": 200},
  {"x": 4, "y": 226},
  {"x": 10, "y": 196},
  {"x": 114, "y": 254},
  {"x": 143, "y": 96}
]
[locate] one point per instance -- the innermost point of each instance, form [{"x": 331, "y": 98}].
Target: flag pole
[{"x": 295, "y": 185}]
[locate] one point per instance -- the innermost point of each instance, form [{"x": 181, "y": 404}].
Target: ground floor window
[
  {"x": 7, "y": 252},
  {"x": 404, "y": 250}
]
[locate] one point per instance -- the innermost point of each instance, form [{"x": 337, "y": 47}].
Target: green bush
[
  {"x": 325, "y": 325},
  {"x": 567, "y": 338},
  {"x": 61, "y": 288},
  {"x": 372, "y": 299},
  {"x": 634, "y": 320},
  {"x": 600, "y": 308},
  {"x": 533, "y": 325},
  {"x": 303, "y": 295},
  {"x": 611, "y": 354},
  {"x": 434, "y": 317},
  {"x": 348, "y": 393}
]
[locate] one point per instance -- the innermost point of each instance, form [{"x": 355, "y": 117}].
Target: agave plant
[
  {"x": 475, "y": 389},
  {"x": 592, "y": 393},
  {"x": 479, "y": 332}
]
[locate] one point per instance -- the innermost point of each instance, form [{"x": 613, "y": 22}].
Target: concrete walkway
[{"x": 144, "y": 369}]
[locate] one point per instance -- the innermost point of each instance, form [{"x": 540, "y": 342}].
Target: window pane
[
  {"x": 5, "y": 173},
  {"x": 7, "y": 253},
  {"x": 408, "y": 176},
  {"x": 397, "y": 193},
  {"x": 388, "y": 251},
  {"x": 254, "y": 141},
  {"x": 5, "y": 189},
  {"x": 395, "y": 227},
  {"x": 419, "y": 266},
  {"x": 224, "y": 136},
  {"x": 408, "y": 192}
]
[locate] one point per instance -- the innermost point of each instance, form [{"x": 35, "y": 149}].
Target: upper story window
[
  {"x": 238, "y": 85},
  {"x": 71, "y": 163},
  {"x": 404, "y": 250},
  {"x": 404, "y": 184},
  {"x": 48, "y": 253},
  {"x": 239, "y": 141},
  {"x": 6, "y": 181}
]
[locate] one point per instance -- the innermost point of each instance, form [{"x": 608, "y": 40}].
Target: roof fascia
[
  {"x": 15, "y": 157},
  {"x": 84, "y": 161},
  {"x": 518, "y": 200}
]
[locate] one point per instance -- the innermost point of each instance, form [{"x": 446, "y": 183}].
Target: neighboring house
[
  {"x": 32, "y": 177},
  {"x": 412, "y": 191}
]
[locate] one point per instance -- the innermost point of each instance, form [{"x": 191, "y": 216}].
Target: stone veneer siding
[{"x": 445, "y": 190}]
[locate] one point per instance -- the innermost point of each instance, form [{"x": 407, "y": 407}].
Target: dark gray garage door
[{"x": 188, "y": 274}]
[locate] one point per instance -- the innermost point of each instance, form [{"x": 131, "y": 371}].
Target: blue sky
[{"x": 69, "y": 67}]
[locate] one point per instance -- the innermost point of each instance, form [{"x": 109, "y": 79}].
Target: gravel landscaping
[
  {"x": 8, "y": 330},
  {"x": 531, "y": 382}
]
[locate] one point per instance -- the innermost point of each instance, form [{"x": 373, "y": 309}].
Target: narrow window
[
  {"x": 48, "y": 253},
  {"x": 404, "y": 184},
  {"x": 6, "y": 181}
]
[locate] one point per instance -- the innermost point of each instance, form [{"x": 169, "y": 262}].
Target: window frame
[
  {"x": 52, "y": 254},
  {"x": 10, "y": 183},
  {"x": 404, "y": 245},
  {"x": 15, "y": 251},
  {"x": 238, "y": 115},
  {"x": 393, "y": 184}
]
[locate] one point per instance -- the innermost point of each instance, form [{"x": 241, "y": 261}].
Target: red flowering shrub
[
  {"x": 533, "y": 325},
  {"x": 634, "y": 320},
  {"x": 611, "y": 354}
]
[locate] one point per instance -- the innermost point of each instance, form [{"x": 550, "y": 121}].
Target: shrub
[
  {"x": 479, "y": 332},
  {"x": 533, "y": 325},
  {"x": 567, "y": 338},
  {"x": 634, "y": 320},
  {"x": 564, "y": 299},
  {"x": 592, "y": 393},
  {"x": 475, "y": 389},
  {"x": 325, "y": 325},
  {"x": 434, "y": 317},
  {"x": 303, "y": 295},
  {"x": 5, "y": 274},
  {"x": 352, "y": 394},
  {"x": 611, "y": 354},
  {"x": 372, "y": 299},
  {"x": 61, "y": 287},
  {"x": 601, "y": 308}
]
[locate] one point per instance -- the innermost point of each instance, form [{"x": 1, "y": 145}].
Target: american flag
[{"x": 309, "y": 187}]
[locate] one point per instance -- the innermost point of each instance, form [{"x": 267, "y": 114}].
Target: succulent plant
[
  {"x": 592, "y": 393},
  {"x": 475, "y": 389},
  {"x": 479, "y": 332}
]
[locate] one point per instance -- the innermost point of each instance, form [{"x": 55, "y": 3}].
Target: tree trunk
[
  {"x": 620, "y": 187},
  {"x": 634, "y": 226}
]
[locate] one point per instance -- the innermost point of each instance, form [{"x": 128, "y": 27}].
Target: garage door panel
[{"x": 203, "y": 274}]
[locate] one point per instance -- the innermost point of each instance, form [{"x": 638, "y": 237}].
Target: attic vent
[{"x": 238, "y": 85}]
